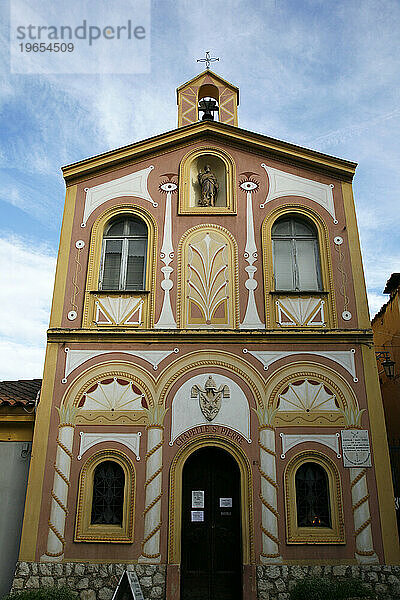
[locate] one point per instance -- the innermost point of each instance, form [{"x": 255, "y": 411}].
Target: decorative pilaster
[
  {"x": 365, "y": 552},
  {"x": 268, "y": 494},
  {"x": 251, "y": 319},
  {"x": 167, "y": 320},
  {"x": 61, "y": 483},
  {"x": 153, "y": 486}
]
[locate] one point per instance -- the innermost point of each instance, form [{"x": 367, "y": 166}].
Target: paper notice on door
[
  {"x": 225, "y": 502},
  {"x": 197, "y": 515},
  {"x": 197, "y": 498}
]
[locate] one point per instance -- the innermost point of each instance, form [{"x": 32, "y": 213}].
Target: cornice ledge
[
  {"x": 266, "y": 145},
  {"x": 294, "y": 336}
]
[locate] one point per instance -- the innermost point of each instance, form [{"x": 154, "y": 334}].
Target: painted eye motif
[
  {"x": 168, "y": 186},
  {"x": 249, "y": 186}
]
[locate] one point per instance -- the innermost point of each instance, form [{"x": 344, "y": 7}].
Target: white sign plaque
[
  {"x": 225, "y": 502},
  {"x": 197, "y": 498},
  {"x": 197, "y": 515},
  {"x": 355, "y": 448}
]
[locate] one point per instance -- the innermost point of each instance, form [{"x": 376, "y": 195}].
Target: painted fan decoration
[
  {"x": 307, "y": 396},
  {"x": 113, "y": 394}
]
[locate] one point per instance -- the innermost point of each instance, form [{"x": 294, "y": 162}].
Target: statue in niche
[{"x": 209, "y": 187}]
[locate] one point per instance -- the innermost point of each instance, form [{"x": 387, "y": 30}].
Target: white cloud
[
  {"x": 20, "y": 361},
  {"x": 376, "y": 301},
  {"x": 27, "y": 275}
]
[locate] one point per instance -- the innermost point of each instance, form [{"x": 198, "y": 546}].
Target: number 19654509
[{"x": 43, "y": 47}]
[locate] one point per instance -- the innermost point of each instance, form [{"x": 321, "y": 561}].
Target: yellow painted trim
[
  {"x": 175, "y": 495},
  {"x": 95, "y": 252},
  {"x": 280, "y": 378},
  {"x": 355, "y": 257},
  {"x": 213, "y": 76},
  {"x": 381, "y": 458},
  {"x": 63, "y": 258},
  {"x": 104, "y": 370},
  {"x": 84, "y": 530},
  {"x": 207, "y": 359},
  {"x": 225, "y": 133},
  {"x": 38, "y": 461},
  {"x": 184, "y": 183},
  {"x": 16, "y": 432},
  {"x": 324, "y": 255},
  {"x": 29, "y": 417},
  {"x": 318, "y": 535},
  {"x": 205, "y": 336}
]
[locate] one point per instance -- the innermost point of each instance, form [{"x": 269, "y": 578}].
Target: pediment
[{"x": 209, "y": 132}]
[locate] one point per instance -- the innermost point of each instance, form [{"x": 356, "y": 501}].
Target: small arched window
[
  {"x": 296, "y": 256},
  {"x": 108, "y": 494},
  {"x": 123, "y": 265},
  {"x": 106, "y": 499},
  {"x": 312, "y": 496},
  {"x": 313, "y": 500}
]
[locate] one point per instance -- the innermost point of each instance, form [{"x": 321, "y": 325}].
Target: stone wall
[
  {"x": 99, "y": 581},
  {"x": 91, "y": 581},
  {"x": 274, "y": 582}
]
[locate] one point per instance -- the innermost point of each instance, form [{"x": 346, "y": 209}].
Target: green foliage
[
  {"x": 44, "y": 593},
  {"x": 318, "y": 588}
]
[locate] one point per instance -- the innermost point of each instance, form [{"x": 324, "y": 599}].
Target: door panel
[{"x": 211, "y": 548}]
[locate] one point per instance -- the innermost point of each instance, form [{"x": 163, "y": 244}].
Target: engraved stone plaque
[{"x": 355, "y": 447}]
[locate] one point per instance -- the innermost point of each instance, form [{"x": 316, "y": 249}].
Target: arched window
[
  {"x": 106, "y": 499},
  {"x": 108, "y": 494},
  {"x": 312, "y": 496},
  {"x": 296, "y": 255},
  {"x": 123, "y": 265},
  {"x": 313, "y": 500}
]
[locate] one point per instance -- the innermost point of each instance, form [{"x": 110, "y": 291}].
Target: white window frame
[
  {"x": 125, "y": 237},
  {"x": 293, "y": 238}
]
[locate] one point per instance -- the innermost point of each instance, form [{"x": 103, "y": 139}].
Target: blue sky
[{"x": 322, "y": 74}]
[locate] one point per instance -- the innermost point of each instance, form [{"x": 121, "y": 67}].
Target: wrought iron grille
[
  {"x": 108, "y": 494},
  {"x": 312, "y": 496}
]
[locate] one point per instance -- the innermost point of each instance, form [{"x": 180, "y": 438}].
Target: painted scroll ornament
[{"x": 210, "y": 397}]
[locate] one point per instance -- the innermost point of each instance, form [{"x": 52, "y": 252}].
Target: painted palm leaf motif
[
  {"x": 208, "y": 284},
  {"x": 307, "y": 396}
]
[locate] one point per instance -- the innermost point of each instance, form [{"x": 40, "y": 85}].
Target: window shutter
[
  {"x": 283, "y": 264},
  {"x": 307, "y": 265},
  {"x": 112, "y": 264},
  {"x": 135, "y": 269}
]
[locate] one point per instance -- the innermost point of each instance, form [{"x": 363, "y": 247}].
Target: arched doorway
[{"x": 211, "y": 552}]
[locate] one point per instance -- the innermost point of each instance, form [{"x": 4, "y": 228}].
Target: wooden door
[{"x": 211, "y": 567}]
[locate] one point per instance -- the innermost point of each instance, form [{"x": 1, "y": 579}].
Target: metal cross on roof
[{"x": 207, "y": 59}]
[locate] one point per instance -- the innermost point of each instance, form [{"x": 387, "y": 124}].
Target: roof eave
[{"x": 92, "y": 166}]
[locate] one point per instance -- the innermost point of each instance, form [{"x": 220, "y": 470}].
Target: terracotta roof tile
[{"x": 23, "y": 392}]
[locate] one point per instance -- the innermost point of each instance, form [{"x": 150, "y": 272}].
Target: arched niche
[
  {"x": 222, "y": 167},
  {"x": 208, "y": 92}
]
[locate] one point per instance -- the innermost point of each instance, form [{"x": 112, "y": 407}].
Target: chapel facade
[{"x": 210, "y": 399}]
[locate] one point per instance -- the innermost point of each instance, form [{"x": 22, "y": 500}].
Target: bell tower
[{"x": 207, "y": 97}]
